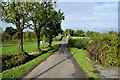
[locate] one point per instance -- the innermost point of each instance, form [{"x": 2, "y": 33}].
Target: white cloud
[
  {"x": 87, "y": 16},
  {"x": 106, "y": 6},
  {"x": 90, "y": 18}
]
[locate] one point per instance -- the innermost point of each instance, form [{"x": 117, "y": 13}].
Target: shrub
[
  {"x": 104, "y": 51},
  {"x": 13, "y": 60}
]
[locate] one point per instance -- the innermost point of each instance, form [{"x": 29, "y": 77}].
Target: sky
[{"x": 92, "y": 16}]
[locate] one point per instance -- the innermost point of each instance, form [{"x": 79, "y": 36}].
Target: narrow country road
[{"x": 59, "y": 65}]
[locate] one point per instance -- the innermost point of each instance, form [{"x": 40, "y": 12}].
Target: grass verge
[
  {"x": 80, "y": 56},
  {"x": 19, "y": 71}
]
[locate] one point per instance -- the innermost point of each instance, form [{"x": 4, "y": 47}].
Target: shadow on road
[{"x": 61, "y": 51}]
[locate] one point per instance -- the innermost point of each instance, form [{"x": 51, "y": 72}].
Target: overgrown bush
[
  {"x": 104, "y": 51},
  {"x": 9, "y": 61}
]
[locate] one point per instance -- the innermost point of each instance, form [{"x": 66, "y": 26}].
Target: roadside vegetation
[
  {"x": 102, "y": 48},
  {"x": 18, "y": 72}
]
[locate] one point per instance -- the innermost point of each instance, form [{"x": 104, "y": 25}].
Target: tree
[
  {"x": 15, "y": 13},
  {"x": 112, "y": 33},
  {"x": 54, "y": 26},
  {"x": 69, "y": 32},
  {"x": 26, "y": 36},
  {"x": 80, "y": 33},
  {"x": 1, "y": 30},
  {"x": 89, "y": 33},
  {"x": 39, "y": 15},
  {"x": 11, "y": 31},
  {"x": 5, "y": 37}
]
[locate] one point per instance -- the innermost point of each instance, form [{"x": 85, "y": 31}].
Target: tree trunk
[
  {"x": 38, "y": 41},
  {"x": 50, "y": 42},
  {"x": 20, "y": 40}
]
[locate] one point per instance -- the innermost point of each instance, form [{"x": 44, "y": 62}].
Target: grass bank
[
  {"x": 81, "y": 57},
  {"x": 19, "y": 71}
]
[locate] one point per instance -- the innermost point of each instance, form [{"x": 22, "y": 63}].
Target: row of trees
[
  {"x": 38, "y": 16},
  {"x": 10, "y": 35},
  {"x": 71, "y": 32},
  {"x": 81, "y": 33}
]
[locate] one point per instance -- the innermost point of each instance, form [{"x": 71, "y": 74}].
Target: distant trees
[
  {"x": 69, "y": 32},
  {"x": 11, "y": 31},
  {"x": 112, "y": 33},
  {"x": 5, "y": 37},
  {"x": 92, "y": 34},
  {"x": 89, "y": 33},
  {"x": 80, "y": 33}
]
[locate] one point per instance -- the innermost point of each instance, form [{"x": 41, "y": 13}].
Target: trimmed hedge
[
  {"x": 78, "y": 42},
  {"x": 19, "y": 71}
]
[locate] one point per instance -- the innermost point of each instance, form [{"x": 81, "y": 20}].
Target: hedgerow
[{"x": 103, "y": 48}]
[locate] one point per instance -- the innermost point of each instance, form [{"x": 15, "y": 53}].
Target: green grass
[
  {"x": 80, "y": 37},
  {"x": 80, "y": 55},
  {"x": 19, "y": 71},
  {"x": 28, "y": 47}
]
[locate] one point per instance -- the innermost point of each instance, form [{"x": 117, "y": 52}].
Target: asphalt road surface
[{"x": 61, "y": 64}]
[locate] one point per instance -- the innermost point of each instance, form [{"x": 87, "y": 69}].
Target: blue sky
[{"x": 92, "y": 16}]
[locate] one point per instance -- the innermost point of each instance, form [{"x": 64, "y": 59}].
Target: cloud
[
  {"x": 106, "y": 6},
  {"x": 90, "y": 16}
]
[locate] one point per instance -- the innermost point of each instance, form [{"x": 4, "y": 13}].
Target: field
[{"x": 13, "y": 48}]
